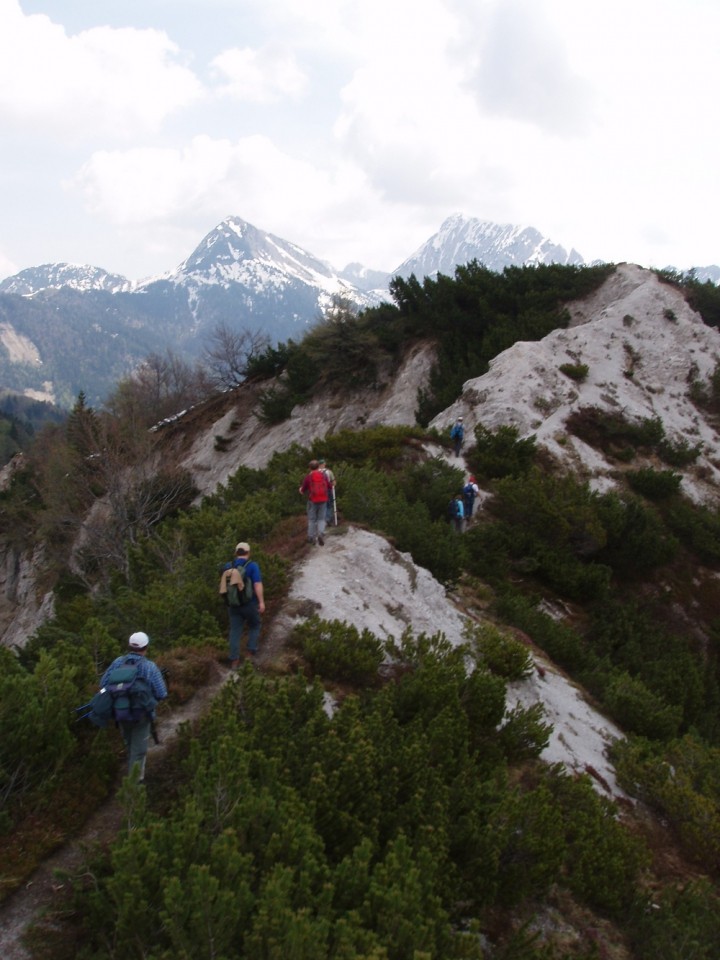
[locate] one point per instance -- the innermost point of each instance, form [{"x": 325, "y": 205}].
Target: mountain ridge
[{"x": 88, "y": 328}]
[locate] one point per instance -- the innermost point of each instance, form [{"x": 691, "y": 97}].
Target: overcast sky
[{"x": 131, "y": 128}]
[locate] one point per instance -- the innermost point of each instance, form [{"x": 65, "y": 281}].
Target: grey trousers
[{"x": 136, "y": 736}]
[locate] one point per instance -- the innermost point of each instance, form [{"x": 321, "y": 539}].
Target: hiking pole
[
  {"x": 334, "y": 509},
  {"x": 82, "y": 716}
]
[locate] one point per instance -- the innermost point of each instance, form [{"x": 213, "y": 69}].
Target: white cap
[{"x": 138, "y": 641}]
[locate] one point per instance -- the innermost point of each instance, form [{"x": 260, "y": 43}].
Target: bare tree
[
  {"x": 160, "y": 387},
  {"x": 136, "y": 490},
  {"x": 230, "y": 352}
]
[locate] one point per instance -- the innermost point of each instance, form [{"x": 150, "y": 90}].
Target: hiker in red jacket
[{"x": 316, "y": 487}]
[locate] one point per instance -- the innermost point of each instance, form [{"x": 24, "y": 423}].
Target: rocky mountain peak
[
  {"x": 461, "y": 239},
  {"x": 55, "y": 276},
  {"x": 237, "y": 252}
]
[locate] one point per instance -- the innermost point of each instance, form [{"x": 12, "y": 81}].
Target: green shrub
[
  {"x": 696, "y": 526},
  {"x": 603, "y": 859},
  {"x": 682, "y": 923},
  {"x": 560, "y": 641},
  {"x": 681, "y": 780},
  {"x": 276, "y": 404},
  {"x": 339, "y": 651},
  {"x": 501, "y": 453},
  {"x": 638, "y": 710},
  {"x": 654, "y": 484},
  {"x": 679, "y": 454},
  {"x": 384, "y": 446},
  {"x": 524, "y": 733},
  {"x": 499, "y": 652},
  {"x": 576, "y": 371},
  {"x": 612, "y": 432},
  {"x": 637, "y": 540}
]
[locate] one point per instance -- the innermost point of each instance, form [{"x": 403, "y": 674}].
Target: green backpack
[{"x": 236, "y": 587}]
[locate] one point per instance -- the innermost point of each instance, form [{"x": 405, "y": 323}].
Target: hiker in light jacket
[
  {"x": 136, "y": 734},
  {"x": 470, "y": 492},
  {"x": 316, "y": 487},
  {"x": 330, "y": 477}
]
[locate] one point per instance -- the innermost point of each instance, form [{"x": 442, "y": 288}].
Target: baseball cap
[
  {"x": 242, "y": 547},
  {"x": 139, "y": 640}
]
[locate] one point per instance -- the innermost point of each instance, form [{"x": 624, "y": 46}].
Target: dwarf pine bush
[
  {"x": 337, "y": 650},
  {"x": 499, "y": 652}
]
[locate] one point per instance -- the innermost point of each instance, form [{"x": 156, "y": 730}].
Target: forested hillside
[{"x": 414, "y": 819}]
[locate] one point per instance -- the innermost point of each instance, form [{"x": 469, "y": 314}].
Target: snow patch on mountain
[
  {"x": 54, "y": 276},
  {"x": 461, "y": 239}
]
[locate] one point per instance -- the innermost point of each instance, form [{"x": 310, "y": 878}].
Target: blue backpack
[
  {"x": 453, "y": 509},
  {"x": 126, "y": 697}
]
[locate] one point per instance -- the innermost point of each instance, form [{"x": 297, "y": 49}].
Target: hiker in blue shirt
[
  {"x": 249, "y": 613},
  {"x": 470, "y": 492},
  {"x": 457, "y": 435},
  {"x": 136, "y": 733}
]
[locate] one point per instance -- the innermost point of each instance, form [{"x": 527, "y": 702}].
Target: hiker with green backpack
[
  {"x": 242, "y": 588},
  {"x": 130, "y": 690}
]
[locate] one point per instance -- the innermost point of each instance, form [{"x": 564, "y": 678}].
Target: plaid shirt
[{"x": 146, "y": 669}]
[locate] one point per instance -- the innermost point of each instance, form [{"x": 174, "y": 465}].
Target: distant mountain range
[{"x": 67, "y": 328}]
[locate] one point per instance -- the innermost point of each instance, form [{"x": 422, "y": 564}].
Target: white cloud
[
  {"x": 112, "y": 80},
  {"x": 7, "y": 267},
  {"x": 147, "y": 184},
  {"x": 518, "y": 67},
  {"x": 354, "y": 129},
  {"x": 259, "y": 76}
]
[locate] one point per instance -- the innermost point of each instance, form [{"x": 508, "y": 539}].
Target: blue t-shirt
[{"x": 250, "y": 570}]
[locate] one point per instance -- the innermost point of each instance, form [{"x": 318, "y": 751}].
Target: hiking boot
[
  {"x": 234, "y": 664},
  {"x": 321, "y": 541}
]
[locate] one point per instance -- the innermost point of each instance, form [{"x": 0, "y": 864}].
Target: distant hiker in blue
[
  {"x": 470, "y": 491},
  {"x": 249, "y": 613},
  {"x": 457, "y": 435},
  {"x": 456, "y": 513},
  {"x": 135, "y": 733}
]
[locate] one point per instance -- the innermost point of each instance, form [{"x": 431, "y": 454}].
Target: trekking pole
[
  {"x": 82, "y": 716},
  {"x": 334, "y": 509}
]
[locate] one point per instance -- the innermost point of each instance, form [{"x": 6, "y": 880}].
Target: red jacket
[{"x": 315, "y": 484}]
